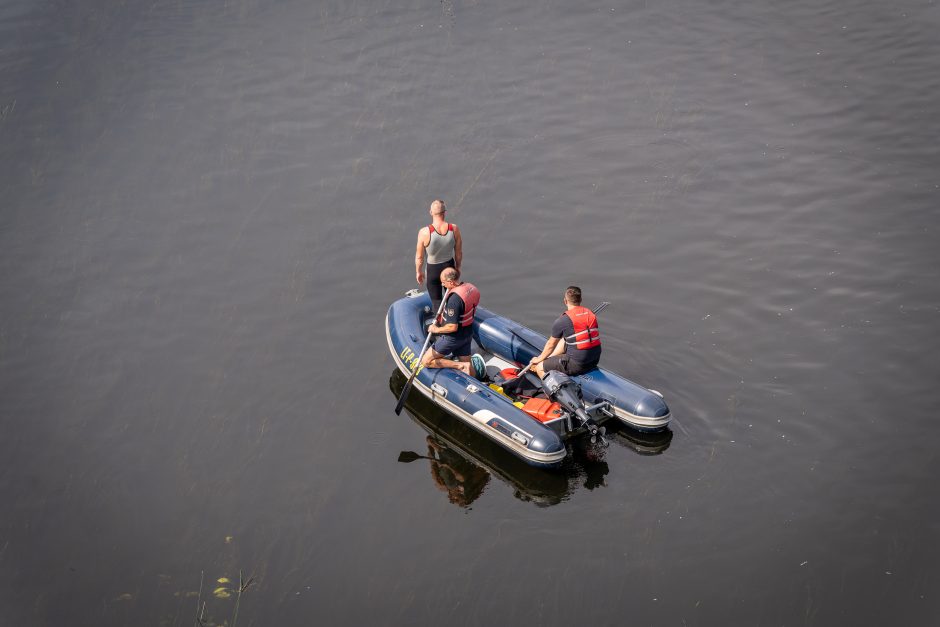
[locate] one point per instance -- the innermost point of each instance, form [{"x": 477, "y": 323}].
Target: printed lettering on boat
[{"x": 409, "y": 358}]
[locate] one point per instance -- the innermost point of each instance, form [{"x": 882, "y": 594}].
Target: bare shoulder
[{"x": 423, "y": 236}]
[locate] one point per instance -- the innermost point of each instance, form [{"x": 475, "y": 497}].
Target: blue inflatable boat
[
  {"x": 462, "y": 460},
  {"x": 533, "y": 423}
]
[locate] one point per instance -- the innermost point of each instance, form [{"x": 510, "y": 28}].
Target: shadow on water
[{"x": 462, "y": 461}]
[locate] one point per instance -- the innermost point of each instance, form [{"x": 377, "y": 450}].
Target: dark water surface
[{"x": 206, "y": 208}]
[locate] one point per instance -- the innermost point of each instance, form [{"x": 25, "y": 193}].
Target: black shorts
[
  {"x": 433, "y": 281},
  {"x": 565, "y": 364},
  {"x": 449, "y": 345}
]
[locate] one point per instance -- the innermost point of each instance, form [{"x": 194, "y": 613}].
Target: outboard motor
[{"x": 565, "y": 391}]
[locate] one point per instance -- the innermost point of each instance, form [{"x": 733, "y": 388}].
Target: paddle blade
[
  {"x": 406, "y": 457},
  {"x": 404, "y": 395}
]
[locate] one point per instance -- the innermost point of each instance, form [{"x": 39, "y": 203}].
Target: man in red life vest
[
  {"x": 575, "y": 344},
  {"x": 454, "y": 327}
]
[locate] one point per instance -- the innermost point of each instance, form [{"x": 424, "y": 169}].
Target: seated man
[
  {"x": 454, "y": 328},
  {"x": 575, "y": 344}
]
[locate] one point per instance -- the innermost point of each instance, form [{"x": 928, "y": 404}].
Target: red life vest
[
  {"x": 470, "y": 296},
  {"x": 586, "y": 334}
]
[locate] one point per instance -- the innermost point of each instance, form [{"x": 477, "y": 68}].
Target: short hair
[
  {"x": 440, "y": 206},
  {"x": 450, "y": 274},
  {"x": 573, "y": 294}
]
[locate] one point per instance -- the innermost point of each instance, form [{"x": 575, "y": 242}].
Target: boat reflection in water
[{"x": 462, "y": 461}]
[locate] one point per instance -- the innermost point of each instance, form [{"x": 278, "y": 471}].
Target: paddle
[
  {"x": 406, "y": 457},
  {"x": 414, "y": 371},
  {"x": 519, "y": 374},
  {"x": 596, "y": 311}
]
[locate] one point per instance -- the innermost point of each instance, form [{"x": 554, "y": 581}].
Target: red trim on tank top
[{"x": 431, "y": 229}]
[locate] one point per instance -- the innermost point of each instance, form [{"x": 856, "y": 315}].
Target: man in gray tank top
[{"x": 442, "y": 243}]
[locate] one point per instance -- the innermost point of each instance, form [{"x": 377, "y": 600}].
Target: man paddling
[
  {"x": 575, "y": 344},
  {"x": 454, "y": 328}
]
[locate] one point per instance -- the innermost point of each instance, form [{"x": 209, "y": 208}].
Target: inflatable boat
[
  {"x": 531, "y": 418},
  {"x": 462, "y": 461}
]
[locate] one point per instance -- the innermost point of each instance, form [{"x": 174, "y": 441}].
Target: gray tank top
[{"x": 441, "y": 247}]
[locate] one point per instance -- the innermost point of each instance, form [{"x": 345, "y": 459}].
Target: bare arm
[
  {"x": 444, "y": 328},
  {"x": 419, "y": 256},
  {"x": 458, "y": 247},
  {"x": 551, "y": 349}
]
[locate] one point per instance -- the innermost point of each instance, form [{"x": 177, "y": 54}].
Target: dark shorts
[
  {"x": 449, "y": 345},
  {"x": 567, "y": 365},
  {"x": 433, "y": 281}
]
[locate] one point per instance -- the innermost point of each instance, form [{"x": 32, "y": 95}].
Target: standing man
[
  {"x": 454, "y": 327},
  {"x": 444, "y": 248},
  {"x": 575, "y": 345}
]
